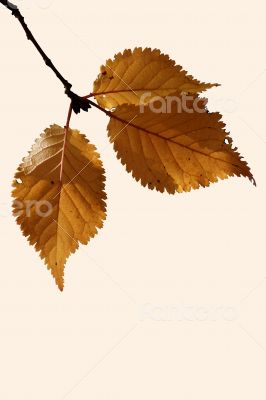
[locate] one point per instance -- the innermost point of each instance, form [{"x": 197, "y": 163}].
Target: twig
[{"x": 78, "y": 102}]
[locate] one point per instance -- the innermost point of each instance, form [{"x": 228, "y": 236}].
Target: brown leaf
[
  {"x": 174, "y": 151},
  {"x": 138, "y": 76},
  {"x": 59, "y": 196}
]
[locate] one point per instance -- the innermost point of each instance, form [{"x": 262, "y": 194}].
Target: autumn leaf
[
  {"x": 59, "y": 196},
  {"x": 175, "y": 151},
  {"x": 138, "y": 76}
]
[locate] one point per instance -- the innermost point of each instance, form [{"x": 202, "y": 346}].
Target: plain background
[{"x": 112, "y": 334}]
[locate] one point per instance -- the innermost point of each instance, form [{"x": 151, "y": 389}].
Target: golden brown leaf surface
[
  {"x": 56, "y": 215},
  {"x": 174, "y": 151},
  {"x": 138, "y": 76}
]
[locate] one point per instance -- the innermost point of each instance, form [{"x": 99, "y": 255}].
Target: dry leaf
[
  {"x": 174, "y": 151},
  {"x": 138, "y": 76},
  {"x": 56, "y": 214}
]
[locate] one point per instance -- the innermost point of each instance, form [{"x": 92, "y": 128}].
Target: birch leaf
[
  {"x": 59, "y": 196},
  {"x": 139, "y": 76},
  {"x": 174, "y": 151}
]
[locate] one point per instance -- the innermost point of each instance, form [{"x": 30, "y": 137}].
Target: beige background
[{"x": 168, "y": 301}]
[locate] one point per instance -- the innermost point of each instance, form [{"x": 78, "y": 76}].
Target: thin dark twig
[
  {"x": 17, "y": 14},
  {"x": 77, "y": 101}
]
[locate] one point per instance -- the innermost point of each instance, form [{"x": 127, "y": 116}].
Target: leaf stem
[
  {"x": 111, "y": 114},
  {"x": 90, "y": 95},
  {"x": 66, "y": 129}
]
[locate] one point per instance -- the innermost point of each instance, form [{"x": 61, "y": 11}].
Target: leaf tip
[{"x": 59, "y": 280}]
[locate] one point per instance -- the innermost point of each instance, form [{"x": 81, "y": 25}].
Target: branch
[{"x": 78, "y": 102}]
